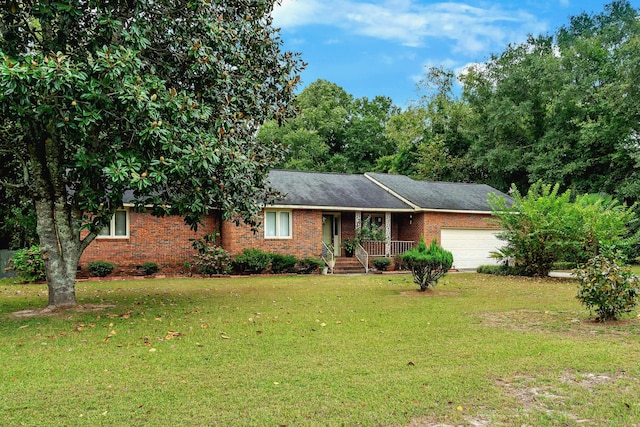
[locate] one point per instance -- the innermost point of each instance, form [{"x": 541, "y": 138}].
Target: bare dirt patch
[
  {"x": 557, "y": 321},
  {"x": 428, "y": 292},
  {"x": 469, "y": 422},
  {"x": 48, "y": 311},
  {"x": 552, "y": 396}
]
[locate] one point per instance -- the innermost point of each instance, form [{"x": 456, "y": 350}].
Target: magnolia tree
[{"x": 154, "y": 97}]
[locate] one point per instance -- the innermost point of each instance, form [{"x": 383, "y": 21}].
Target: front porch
[{"x": 342, "y": 236}]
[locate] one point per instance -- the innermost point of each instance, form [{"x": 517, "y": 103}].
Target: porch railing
[
  {"x": 362, "y": 256},
  {"x": 379, "y": 248},
  {"x": 328, "y": 255}
]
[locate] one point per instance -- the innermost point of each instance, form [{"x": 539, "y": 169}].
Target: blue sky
[{"x": 383, "y": 47}]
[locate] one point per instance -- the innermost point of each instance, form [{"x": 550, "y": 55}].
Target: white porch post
[
  {"x": 387, "y": 233},
  {"x": 358, "y": 221}
]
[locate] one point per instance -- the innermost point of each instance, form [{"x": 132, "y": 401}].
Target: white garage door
[{"x": 470, "y": 247}]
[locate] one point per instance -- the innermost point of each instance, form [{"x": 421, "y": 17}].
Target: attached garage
[{"x": 470, "y": 247}]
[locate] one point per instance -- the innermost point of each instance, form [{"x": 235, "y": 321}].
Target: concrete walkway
[{"x": 562, "y": 274}]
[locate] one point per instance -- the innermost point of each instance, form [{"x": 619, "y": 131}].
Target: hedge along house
[{"x": 316, "y": 215}]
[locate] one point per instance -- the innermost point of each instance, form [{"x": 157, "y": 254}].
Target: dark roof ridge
[{"x": 425, "y": 181}]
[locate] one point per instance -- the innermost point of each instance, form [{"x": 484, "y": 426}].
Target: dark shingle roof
[
  {"x": 319, "y": 189},
  {"x": 439, "y": 195}
]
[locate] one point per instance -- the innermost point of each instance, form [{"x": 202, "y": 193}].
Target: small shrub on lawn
[
  {"x": 283, "y": 263},
  {"x": 309, "y": 265},
  {"x": 607, "y": 287},
  {"x": 149, "y": 268},
  {"x": 499, "y": 270},
  {"x": 427, "y": 265},
  {"x": 101, "y": 268},
  {"x": 381, "y": 263},
  {"x": 252, "y": 261},
  {"x": 28, "y": 264}
]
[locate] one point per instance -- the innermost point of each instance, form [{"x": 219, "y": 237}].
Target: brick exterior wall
[
  {"x": 164, "y": 241},
  {"x": 305, "y": 241},
  {"x": 433, "y": 222}
]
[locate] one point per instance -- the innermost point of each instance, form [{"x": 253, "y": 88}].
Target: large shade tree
[
  {"x": 562, "y": 108},
  {"x": 156, "y": 97},
  {"x": 334, "y": 132}
]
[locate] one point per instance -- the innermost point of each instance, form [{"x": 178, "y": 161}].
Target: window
[
  {"x": 277, "y": 224},
  {"x": 118, "y": 227}
]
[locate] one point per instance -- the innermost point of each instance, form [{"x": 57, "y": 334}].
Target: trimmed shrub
[
  {"x": 252, "y": 261},
  {"x": 101, "y": 268},
  {"x": 212, "y": 260},
  {"x": 381, "y": 263},
  {"x": 564, "y": 265},
  {"x": 149, "y": 268},
  {"x": 427, "y": 265},
  {"x": 283, "y": 263},
  {"x": 607, "y": 287},
  {"x": 500, "y": 270},
  {"x": 309, "y": 265},
  {"x": 398, "y": 264},
  {"x": 28, "y": 264}
]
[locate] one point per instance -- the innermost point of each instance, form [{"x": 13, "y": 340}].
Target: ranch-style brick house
[{"x": 318, "y": 212}]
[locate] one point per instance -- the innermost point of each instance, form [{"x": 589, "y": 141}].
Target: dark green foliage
[
  {"x": 201, "y": 244},
  {"x": 252, "y": 261},
  {"x": 428, "y": 265},
  {"x": 17, "y": 223},
  {"x": 381, "y": 263},
  {"x": 309, "y": 265},
  {"x": 283, "y": 263},
  {"x": 156, "y": 98},
  {"x": 564, "y": 265},
  {"x": 534, "y": 228},
  {"x": 28, "y": 264},
  {"x": 561, "y": 107},
  {"x": 607, "y": 287},
  {"x": 370, "y": 232},
  {"x": 349, "y": 246},
  {"x": 545, "y": 226},
  {"x": 212, "y": 260},
  {"x": 101, "y": 268},
  {"x": 500, "y": 270},
  {"x": 149, "y": 268},
  {"x": 398, "y": 264},
  {"x": 335, "y": 132}
]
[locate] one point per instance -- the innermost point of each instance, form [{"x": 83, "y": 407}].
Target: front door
[{"x": 331, "y": 231}]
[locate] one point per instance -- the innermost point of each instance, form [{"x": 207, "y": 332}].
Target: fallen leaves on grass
[{"x": 52, "y": 311}]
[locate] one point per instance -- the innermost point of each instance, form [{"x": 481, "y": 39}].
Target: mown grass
[{"x": 317, "y": 351}]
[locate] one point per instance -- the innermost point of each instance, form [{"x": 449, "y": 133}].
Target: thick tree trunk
[{"x": 61, "y": 249}]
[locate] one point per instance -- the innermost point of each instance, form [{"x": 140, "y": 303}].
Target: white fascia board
[
  {"x": 456, "y": 211},
  {"x": 336, "y": 208}
]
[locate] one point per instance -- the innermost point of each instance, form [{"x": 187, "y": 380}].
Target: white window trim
[
  {"x": 278, "y": 212},
  {"x": 112, "y": 227}
]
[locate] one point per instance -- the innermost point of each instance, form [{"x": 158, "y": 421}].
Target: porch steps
[{"x": 348, "y": 266}]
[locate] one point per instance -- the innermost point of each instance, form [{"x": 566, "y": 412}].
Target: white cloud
[{"x": 470, "y": 29}]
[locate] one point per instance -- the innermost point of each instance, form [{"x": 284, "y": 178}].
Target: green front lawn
[{"x": 317, "y": 351}]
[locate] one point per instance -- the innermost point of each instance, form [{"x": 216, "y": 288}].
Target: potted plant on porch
[{"x": 349, "y": 245}]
